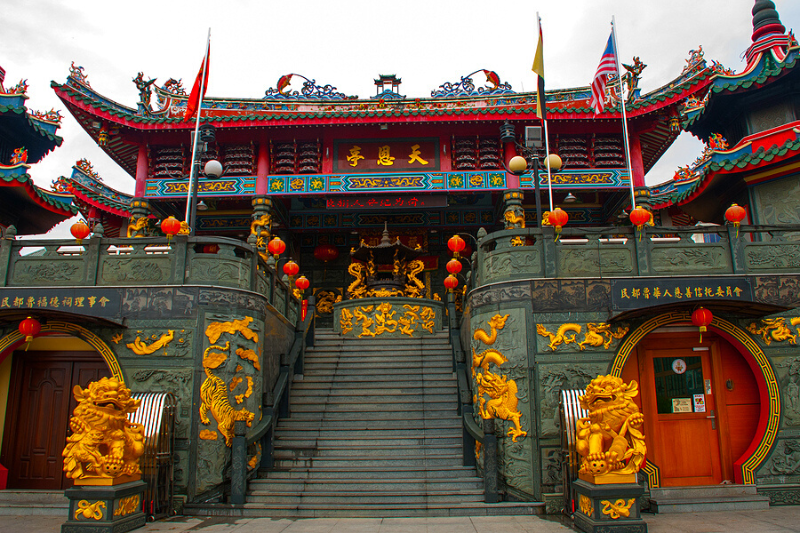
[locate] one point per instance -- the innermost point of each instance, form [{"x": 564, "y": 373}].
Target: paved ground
[{"x": 774, "y": 520}]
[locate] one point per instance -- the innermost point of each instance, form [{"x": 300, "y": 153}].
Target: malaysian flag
[{"x": 608, "y": 65}]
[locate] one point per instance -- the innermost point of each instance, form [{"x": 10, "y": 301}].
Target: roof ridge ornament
[
  {"x": 77, "y": 74},
  {"x": 309, "y": 91},
  {"x": 766, "y": 19},
  {"x": 466, "y": 87}
]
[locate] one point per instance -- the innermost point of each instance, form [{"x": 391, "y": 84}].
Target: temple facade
[{"x": 367, "y": 195}]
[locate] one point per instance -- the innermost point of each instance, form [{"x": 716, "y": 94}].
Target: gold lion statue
[
  {"x": 104, "y": 445},
  {"x": 610, "y": 439}
]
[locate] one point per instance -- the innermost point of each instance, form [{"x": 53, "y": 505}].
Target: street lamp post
[{"x": 212, "y": 169}]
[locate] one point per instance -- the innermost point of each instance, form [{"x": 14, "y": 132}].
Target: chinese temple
[{"x": 446, "y": 306}]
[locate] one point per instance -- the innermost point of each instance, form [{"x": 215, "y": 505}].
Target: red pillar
[
  {"x": 637, "y": 165},
  {"x": 262, "y": 169},
  {"x": 509, "y": 151},
  {"x": 141, "y": 171}
]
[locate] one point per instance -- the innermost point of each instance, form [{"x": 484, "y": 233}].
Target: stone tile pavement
[{"x": 774, "y": 520}]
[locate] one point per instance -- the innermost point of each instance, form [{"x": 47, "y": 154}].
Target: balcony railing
[
  {"x": 211, "y": 261},
  {"x": 623, "y": 252}
]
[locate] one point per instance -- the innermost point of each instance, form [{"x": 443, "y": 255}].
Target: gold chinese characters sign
[
  {"x": 610, "y": 440},
  {"x": 388, "y": 155},
  {"x": 104, "y": 447}
]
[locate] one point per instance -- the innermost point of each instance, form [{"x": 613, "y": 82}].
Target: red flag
[{"x": 195, "y": 97}]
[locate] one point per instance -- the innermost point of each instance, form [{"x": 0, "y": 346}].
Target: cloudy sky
[{"x": 347, "y": 43}]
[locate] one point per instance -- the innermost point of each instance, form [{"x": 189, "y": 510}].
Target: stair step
[
  {"x": 366, "y": 498},
  {"x": 301, "y": 452},
  {"x": 401, "y": 407},
  {"x": 378, "y": 485},
  {"x": 33, "y": 502},
  {"x": 371, "y": 473},
  {"x": 289, "y": 440}
]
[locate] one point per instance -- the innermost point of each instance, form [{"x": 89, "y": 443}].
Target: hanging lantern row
[
  {"x": 80, "y": 230},
  {"x": 171, "y": 226},
  {"x": 701, "y": 318},
  {"x": 291, "y": 269},
  {"x": 451, "y": 282},
  {"x": 30, "y": 327},
  {"x": 454, "y": 266},
  {"x": 456, "y": 244},
  {"x": 558, "y": 218},
  {"x": 302, "y": 283},
  {"x": 276, "y": 247},
  {"x": 326, "y": 252},
  {"x": 735, "y": 214}
]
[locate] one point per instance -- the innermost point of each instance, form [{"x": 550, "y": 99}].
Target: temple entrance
[
  {"x": 701, "y": 404},
  {"x": 40, "y": 403}
]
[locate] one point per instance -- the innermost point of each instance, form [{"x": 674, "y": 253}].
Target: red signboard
[
  {"x": 387, "y": 202},
  {"x": 391, "y": 155}
]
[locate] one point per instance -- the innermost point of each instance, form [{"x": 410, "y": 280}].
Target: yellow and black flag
[{"x": 538, "y": 68}]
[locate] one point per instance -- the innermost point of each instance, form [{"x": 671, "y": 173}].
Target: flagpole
[
  {"x": 543, "y": 103},
  {"x": 192, "y": 171},
  {"x": 624, "y": 115}
]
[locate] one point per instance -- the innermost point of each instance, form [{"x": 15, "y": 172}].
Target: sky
[{"x": 347, "y": 44}]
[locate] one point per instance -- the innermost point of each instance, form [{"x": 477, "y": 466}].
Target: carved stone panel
[
  {"x": 555, "y": 378},
  {"x": 687, "y": 259},
  {"x": 521, "y": 262},
  {"x": 47, "y": 272},
  {"x": 777, "y": 201},
  {"x": 229, "y": 273},
  {"x": 134, "y": 270},
  {"x": 586, "y": 261},
  {"x": 772, "y": 257}
]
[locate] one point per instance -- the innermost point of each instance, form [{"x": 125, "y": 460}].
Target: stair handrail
[
  {"x": 472, "y": 433},
  {"x": 291, "y": 363}
]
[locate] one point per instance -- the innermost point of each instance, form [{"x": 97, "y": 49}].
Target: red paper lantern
[
  {"x": 701, "y": 318},
  {"x": 735, "y": 214},
  {"x": 80, "y": 231},
  {"x": 276, "y": 247},
  {"x": 451, "y": 282},
  {"x": 558, "y": 218},
  {"x": 454, "y": 266},
  {"x": 30, "y": 327},
  {"x": 302, "y": 283},
  {"x": 290, "y": 268},
  {"x": 456, "y": 244},
  {"x": 171, "y": 226},
  {"x": 326, "y": 252},
  {"x": 639, "y": 217}
]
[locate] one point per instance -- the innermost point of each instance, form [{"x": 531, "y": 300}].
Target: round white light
[{"x": 213, "y": 169}]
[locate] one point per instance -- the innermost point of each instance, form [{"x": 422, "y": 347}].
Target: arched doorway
[
  {"x": 37, "y": 388},
  {"x": 711, "y": 408}
]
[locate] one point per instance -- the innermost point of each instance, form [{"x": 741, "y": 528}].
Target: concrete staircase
[
  {"x": 706, "y": 498},
  {"x": 373, "y": 432},
  {"x": 33, "y": 502}
]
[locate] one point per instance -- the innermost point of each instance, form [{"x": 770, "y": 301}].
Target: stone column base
[
  {"x": 610, "y": 508},
  {"x": 99, "y": 509}
]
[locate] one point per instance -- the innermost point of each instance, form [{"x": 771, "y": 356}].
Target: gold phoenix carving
[
  {"x": 774, "y": 329},
  {"x": 618, "y": 508},
  {"x": 597, "y": 334},
  {"x": 586, "y": 505},
  {"x": 104, "y": 447},
  {"x": 610, "y": 439},
  {"x": 90, "y": 510},
  {"x": 139, "y": 347},
  {"x": 502, "y": 392}
]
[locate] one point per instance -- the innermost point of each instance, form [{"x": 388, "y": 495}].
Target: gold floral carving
[
  {"x": 502, "y": 392},
  {"x": 235, "y": 382},
  {"x": 140, "y": 348},
  {"x": 774, "y": 329},
  {"x": 601, "y": 334},
  {"x": 90, "y": 510},
  {"x": 384, "y": 293},
  {"x": 610, "y": 439},
  {"x": 127, "y": 505},
  {"x": 104, "y": 446},
  {"x": 585, "y": 504},
  {"x": 560, "y": 336},
  {"x": 116, "y": 338},
  {"x": 618, "y": 508}
]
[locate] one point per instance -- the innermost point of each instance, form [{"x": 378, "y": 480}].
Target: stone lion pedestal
[
  {"x": 105, "y": 509},
  {"x": 609, "y": 508}
]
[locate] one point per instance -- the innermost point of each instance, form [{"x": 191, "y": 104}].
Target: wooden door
[
  {"x": 681, "y": 417},
  {"x": 40, "y": 404}
]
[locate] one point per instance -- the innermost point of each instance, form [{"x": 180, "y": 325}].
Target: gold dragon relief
[
  {"x": 617, "y": 509},
  {"x": 610, "y": 439},
  {"x": 140, "y": 346},
  {"x": 596, "y": 334},
  {"x": 775, "y": 329},
  {"x": 501, "y": 391},
  {"x": 375, "y": 320}
]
